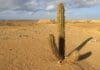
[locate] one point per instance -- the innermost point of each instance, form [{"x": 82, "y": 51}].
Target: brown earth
[{"x": 28, "y": 47}]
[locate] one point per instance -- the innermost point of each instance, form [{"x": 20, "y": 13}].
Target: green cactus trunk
[{"x": 61, "y": 26}]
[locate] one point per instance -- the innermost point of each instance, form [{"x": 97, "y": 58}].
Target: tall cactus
[
  {"x": 61, "y": 19},
  {"x": 61, "y": 27},
  {"x": 59, "y": 51}
]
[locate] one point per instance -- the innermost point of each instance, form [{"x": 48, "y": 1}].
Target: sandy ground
[{"x": 28, "y": 47}]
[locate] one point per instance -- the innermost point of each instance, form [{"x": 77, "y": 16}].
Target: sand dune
[{"x": 28, "y": 47}]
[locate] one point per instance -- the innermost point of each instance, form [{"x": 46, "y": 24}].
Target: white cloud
[
  {"x": 83, "y": 3},
  {"x": 47, "y": 7},
  {"x": 92, "y": 2},
  {"x": 50, "y": 7},
  {"x": 32, "y": 4},
  {"x": 43, "y": 4}
]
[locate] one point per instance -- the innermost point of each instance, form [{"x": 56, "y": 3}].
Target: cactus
[
  {"x": 61, "y": 20},
  {"x": 60, "y": 51},
  {"x": 61, "y": 26},
  {"x": 54, "y": 46}
]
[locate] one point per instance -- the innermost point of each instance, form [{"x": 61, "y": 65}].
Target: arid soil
[{"x": 28, "y": 47}]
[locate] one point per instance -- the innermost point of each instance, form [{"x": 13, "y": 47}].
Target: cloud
[
  {"x": 82, "y": 3},
  {"x": 36, "y": 5},
  {"x": 28, "y": 8},
  {"x": 50, "y": 7},
  {"x": 11, "y": 4},
  {"x": 84, "y": 13}
]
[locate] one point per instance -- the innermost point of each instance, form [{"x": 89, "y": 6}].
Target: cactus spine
[{"x": 61, "y": 27}]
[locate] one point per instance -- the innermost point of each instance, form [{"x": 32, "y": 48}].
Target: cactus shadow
[
  {"x": 81, "y": 45},
  {"x": 59, "y": 52},
  {"x": 84, "y": 56}
]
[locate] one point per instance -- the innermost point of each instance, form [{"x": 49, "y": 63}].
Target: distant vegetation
[{"x": 17, "y": 22}]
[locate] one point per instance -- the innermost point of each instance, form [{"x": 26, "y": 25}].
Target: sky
[{"x": 47, "y": 9}]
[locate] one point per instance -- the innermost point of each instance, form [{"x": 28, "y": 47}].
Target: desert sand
[{"x": 24, "y": 45}]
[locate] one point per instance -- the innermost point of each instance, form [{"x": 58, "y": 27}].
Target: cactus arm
[{"x": 53, "y": 46}]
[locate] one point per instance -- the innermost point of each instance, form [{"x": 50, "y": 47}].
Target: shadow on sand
[
  {"x": 59, "y": 52},
  {"x": 86, "y": 55}
]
